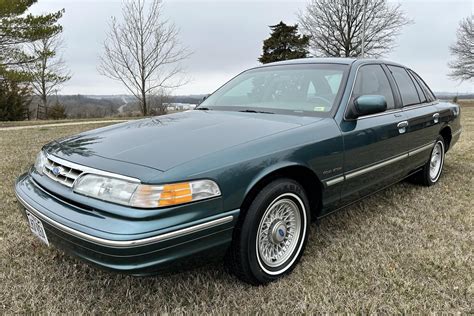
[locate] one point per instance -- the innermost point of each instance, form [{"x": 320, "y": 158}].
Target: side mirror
[
  {"x": 204, "y": 98},
  {"x": 366, "y": 105}
]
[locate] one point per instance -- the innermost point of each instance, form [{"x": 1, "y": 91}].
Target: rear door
[
  {"x": 421, "y": 114},
  {"x": 374, "y": 145}
]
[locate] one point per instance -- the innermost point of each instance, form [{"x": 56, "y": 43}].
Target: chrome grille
[{"x": 61, "y": 172}]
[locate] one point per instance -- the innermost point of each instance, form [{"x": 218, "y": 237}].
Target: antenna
[{"x": 364, "y": 9}]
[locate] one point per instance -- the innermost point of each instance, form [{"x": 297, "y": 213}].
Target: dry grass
[
  {"x": 465, "y": 103},
  {"x": 406, "y": 249},
  {"x": 48, "y": 122}
]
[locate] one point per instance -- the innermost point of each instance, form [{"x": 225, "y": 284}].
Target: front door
[{"x": 375, "y": 146}]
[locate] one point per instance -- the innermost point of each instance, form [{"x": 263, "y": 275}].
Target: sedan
[{"x": 241, "y": 176}]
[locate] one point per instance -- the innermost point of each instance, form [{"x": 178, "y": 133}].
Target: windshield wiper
[
  {"x": 203, "y": 108},
  {"x": 254, "y": 111}
]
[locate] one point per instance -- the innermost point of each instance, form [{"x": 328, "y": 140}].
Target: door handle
[
  {"x": 402, "y": 127},
  {"x": 436, "y": 118}
]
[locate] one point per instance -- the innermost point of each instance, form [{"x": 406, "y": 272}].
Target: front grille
[{"x": 60, "y": 172}]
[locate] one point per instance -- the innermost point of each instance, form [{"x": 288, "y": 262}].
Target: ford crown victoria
[{"x": 243, "y": 174}]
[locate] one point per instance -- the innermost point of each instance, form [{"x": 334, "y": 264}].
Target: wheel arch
[
  {"x": 300, "y": 173},
  {"x": 447, "y": 135}
]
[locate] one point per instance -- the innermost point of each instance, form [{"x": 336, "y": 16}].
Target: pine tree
[
  {"x": 14, "y": 100},
  {"x": 17, "y": 27},
  {"x": 284, "y": 43}
]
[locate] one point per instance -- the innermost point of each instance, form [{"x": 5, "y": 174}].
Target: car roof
[
  {"x": 314, "y": 60},
  {"x": 333, "y": 60}
]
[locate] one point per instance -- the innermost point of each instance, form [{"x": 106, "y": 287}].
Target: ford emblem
[{"x": 57, "y": 171}]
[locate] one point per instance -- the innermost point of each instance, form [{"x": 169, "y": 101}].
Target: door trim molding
[
  {"x": 420, "y": 149},
  {"x": 376, "y": 166}
]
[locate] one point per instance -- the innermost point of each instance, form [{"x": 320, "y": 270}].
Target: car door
[
  {"x": 374, "y": 145},
  {"x": 421, "y": 114}
]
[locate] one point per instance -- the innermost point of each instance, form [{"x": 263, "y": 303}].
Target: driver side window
[{"x": 372, "y": 80}]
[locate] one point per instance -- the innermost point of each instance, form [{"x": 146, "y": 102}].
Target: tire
[
  {"x": 431, "y": 171},
  {"x": 278, "y": 217}
]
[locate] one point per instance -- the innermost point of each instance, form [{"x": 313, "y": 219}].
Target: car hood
[{"x": 167, "y": 141}]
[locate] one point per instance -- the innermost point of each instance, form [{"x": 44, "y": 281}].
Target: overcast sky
[{"x": 226, "y": 38}]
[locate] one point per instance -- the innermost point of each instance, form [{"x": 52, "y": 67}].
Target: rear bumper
[{"x": 179, "y": 246}]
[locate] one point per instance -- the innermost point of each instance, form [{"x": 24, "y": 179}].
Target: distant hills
[
  {"x": 451, "y": 95},
  {"x": 88, "y": 106},
  {"x": 197, "y": 98}
]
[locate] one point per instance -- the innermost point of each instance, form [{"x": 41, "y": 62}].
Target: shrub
[{"x": 14, "y": 100}]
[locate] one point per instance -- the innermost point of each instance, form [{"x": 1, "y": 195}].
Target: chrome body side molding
[{"x": 376, "y": 166}]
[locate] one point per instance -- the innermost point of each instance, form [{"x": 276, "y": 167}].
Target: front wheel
[
  {"x": 432, "y": 170},
  {"x": 270, "y": 239}
]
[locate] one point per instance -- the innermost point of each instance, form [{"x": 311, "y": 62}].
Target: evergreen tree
[
  {"x": 17, "y": 27},
  {"x": 14, "y": 100},
  {"x": 284, "y": 43}
]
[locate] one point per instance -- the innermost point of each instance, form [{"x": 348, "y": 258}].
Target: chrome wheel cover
[
  {"x": 279, "y": 231},
  {"x": 436, "y": 161}
]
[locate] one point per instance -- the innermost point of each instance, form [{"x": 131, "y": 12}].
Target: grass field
[
  {"x": 5, "y": 124},
  {"x": 406, "y": 249}
]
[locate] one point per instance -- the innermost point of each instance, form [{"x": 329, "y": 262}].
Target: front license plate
[{"x": 37, "y": 227}]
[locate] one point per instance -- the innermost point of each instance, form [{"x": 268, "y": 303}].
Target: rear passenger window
[
  {"x": 372, "y": 80},
  {"x": 405, "y": 85}
]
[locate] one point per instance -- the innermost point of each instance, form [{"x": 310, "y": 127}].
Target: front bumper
[{"x": 69, "y": 227}]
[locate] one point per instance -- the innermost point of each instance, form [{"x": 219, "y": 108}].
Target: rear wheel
[
  {"x": 432, "y": 170},
  {"x": 270, "y": 239}
]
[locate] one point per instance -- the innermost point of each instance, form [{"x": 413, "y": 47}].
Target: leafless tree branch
[
  {"x": 463, "y": 51},
  {"x": 143, "y": 51},
  {"x": 335, "y": 27},
  {"x": 48, "y": 70}
]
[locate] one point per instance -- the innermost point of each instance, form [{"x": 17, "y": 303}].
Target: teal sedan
[{"x": 241, "y": 176}]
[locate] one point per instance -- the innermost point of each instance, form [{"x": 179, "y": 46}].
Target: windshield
[{"x": 289, "y": 89}]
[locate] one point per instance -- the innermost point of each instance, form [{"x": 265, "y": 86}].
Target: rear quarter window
[
  {"x": 429, "y": 94},
  {"x": 405, "y": 85},
  {"x": 420, "y": 91}
]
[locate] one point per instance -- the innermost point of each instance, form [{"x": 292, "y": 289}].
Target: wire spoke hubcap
[
  {"x": 436, "y": 161},
  {"x": 279, "y": 232}
]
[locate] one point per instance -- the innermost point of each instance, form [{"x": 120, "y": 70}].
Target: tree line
[{"x": 143, "y": 52}]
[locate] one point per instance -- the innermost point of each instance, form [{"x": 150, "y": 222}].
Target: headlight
[
  {"x": 40, "y": 162},
  {"x": 104, "y": 188},
  {"x": 143, "y": 195}
]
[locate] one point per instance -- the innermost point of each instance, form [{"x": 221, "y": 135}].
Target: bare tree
[
  {"x": 336, "y": 27},
  {"x": 159, "y": 103},
  {"x": 143, "y": 52},
  {"x": 463, "y": 51},
  {"x": 48, "y": 70}
]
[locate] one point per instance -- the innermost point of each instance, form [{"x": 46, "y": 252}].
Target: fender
[{"x": 275, "y": 168}]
